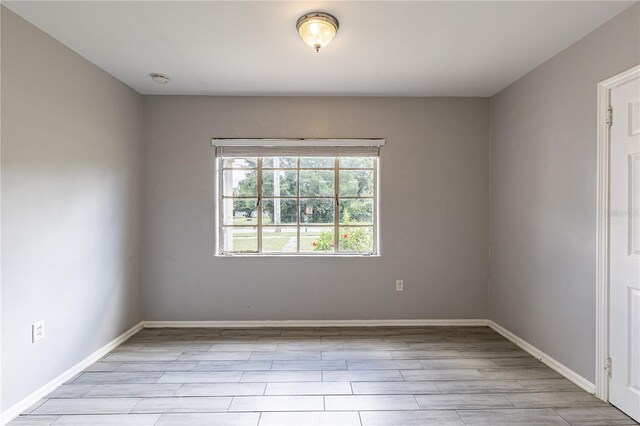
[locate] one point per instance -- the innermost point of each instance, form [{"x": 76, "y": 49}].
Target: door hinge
[
  {"x": 607, "y": 366},
  {"x": 609, "y": 116}
]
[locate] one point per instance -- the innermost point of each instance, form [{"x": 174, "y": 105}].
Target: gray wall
[
  {"x": 543, "y": 194},
  {"x": 71, "y": 207},
  {"x": 433, "y": 212}
]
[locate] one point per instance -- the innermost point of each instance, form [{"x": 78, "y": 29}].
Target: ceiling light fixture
[
  {"x": 317, "y": 29},
  {"x": 159, "y": 78}
]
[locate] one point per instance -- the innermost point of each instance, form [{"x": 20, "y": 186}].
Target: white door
[{"x": 624, "y": 260}]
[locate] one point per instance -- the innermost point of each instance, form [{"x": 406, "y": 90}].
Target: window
[{"x": 297, "y": 204}]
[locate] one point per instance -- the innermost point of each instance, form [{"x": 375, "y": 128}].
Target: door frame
[{"x": 602, "y": 228}]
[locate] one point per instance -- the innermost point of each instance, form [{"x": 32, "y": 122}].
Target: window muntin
[{"x": 297, "y": 205}]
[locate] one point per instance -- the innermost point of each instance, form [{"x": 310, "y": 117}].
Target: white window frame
[{"x": 283, "y": 143}]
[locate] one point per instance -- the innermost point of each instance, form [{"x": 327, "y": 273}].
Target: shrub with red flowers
[
  {"x": 324, "y": 241},
  {"x": 354, "y": 239}
]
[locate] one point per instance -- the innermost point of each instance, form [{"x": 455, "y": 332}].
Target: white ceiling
[{"x": 382, "y": 48}]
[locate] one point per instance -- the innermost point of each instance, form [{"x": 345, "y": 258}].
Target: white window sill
[{"x": 294, "y": 256}]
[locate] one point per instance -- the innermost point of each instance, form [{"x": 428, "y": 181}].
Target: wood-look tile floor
[{"x": 320, "y": 376}]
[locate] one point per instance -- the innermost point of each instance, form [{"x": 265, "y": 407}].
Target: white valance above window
[{"x": 297, "y": 147}]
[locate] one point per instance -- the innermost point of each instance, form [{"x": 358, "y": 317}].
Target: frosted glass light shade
[{"x": 317, "y": 29}]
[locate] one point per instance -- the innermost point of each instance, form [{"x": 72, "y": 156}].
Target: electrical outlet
[
  {"x": 399, "y": 285},
  {"x": 37, "y": 331}
]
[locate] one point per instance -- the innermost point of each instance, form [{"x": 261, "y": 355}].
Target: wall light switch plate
[
  {"x": 37, "y": 331},
  {"x": 399, "y": 285}
]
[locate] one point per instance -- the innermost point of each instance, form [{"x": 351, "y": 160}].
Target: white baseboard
[
  {"x": 538, "y": 354},
  {"x": 317, "y": 323},
  {"x": 14, "y": 411}
]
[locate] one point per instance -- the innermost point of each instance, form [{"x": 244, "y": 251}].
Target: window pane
[
  {"x": 316, "y": 183},
  {"x": 239, "y": 240},
  {"x": 356, "y": 211},
  {"x": 356, "y": 183},
  {"x": 316, "y": 210},
  {"x": 279, "y": 211},
  {"x": 356, "y": 162},
  {"x": 239, "y": 211},
  {"x": 298, "y": 207},
  {"x": 317, "y": 162},
  {"x": 316, "y": 239},
  {"x": 279, "y": 183},
  {"x": 279, "y": 240},
  {"x": 280, "y": 162},
  {"x": 240, "y": 163},
  {"x": 240, "y": 183},
  {"x": 352, "y": 239}
]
